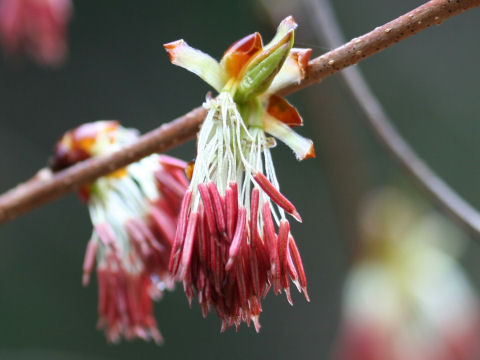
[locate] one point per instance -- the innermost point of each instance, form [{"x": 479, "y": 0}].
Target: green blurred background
[{"x": 117, "y": 69}]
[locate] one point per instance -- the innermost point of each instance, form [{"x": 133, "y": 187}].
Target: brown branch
[
  {"x": 45, "y": 188},
  {"x": 431, "y": 13},
  {"x": 378, "y": 120}
]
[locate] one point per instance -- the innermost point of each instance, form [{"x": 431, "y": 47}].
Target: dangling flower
[
  {"x": 37, "y": 27},
  {"x": 407, "y": 297},
  {"x": 227, "y": 249},
  {"x": 134, "y": 214}
]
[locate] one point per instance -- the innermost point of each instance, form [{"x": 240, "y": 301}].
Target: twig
[
  {"x": 431, "y": 13},
  {"x": 32, "y": 194},
  {"x": 378, "y": 120},
  {"x": 45, "y": 186}
]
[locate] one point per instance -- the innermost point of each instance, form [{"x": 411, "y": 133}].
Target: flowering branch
[{"x": 47, "y": 186}]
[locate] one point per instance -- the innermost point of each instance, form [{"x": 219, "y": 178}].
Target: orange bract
[
  {"x": 281, "y": 109},
  {"x": 240, "y": 52}
]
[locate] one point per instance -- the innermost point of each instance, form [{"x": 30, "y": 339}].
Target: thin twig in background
[
  {"x": 35, "y": 193},
  {"x": 348, "y": 168},
  {"x": 326, "y": 25}
]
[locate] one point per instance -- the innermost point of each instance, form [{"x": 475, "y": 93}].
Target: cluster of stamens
[{"x": 227, "y": 250}]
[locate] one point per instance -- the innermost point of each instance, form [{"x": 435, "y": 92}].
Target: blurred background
[{"x": 117, "y": 69}]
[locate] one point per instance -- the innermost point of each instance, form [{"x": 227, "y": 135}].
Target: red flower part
[
  {"x": 227, "y": 250},
  {"x": 407, "y": 296},
  {"x": 276, "y": 195},
  {"x": 125, "y": 306},
  {"x": 37, "y": 27},
  {"x": 134, "y": 211},
  {"x": 229, "y": 256}
]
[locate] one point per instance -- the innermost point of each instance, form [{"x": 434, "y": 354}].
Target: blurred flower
[
  {"x": 407, "y": 297},
  {"x": 134, "y": 214},
  {"x": 226, "y": 248},
  {"x": 37, "y": 27}
]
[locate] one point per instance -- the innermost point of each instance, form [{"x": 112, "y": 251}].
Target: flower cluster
[
  {"x": 134, "y": 214},
  {"x": 227, "y": 250},
  {"x": 407, "y": 296},
  {"x": 37, "y": 27}
]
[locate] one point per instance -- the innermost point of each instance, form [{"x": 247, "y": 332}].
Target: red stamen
[
  {"x": 164, "y": 223},
  {"x": 89, "y": 261},
  {"x": 180, "y": 234},
  {"x": 254, "y": 201},
  {"x": 189, "y": 243},
  {"x": 208, "y": 206},
  {"x": 297, "y": 260},
  {"x": 171, "y": 161},
  {"x": 137, "y": 239},
  {"x": 254, "y": 268},
  {"x": 165, "y": 179},
  {"x": 148, "y": 235},
  {"x": 202, "y": 238},
  {"x": 283, "y": 232},
  {"x": 271, "y": 240},
  {"x": 276, "y": 196},
  {"x": 241, "y": 286},
  {"x": 240, "y": 233},
  {"x": 231, "y": 204},
  {"x": 105, "y": 234},
  {"x": 217, "y": 206},
  {"x": 291, "y": 270}
]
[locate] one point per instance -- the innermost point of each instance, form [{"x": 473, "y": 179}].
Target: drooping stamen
[
  {"x": 217, "y": 206},
  {"x": 89, "y": 261},
  {"x": 283, "y": 232},
  {"x": 254, "y": 200},
  {"x": 231, "y": 204},
  {"x": 105, "y": 234},
  {"x": 172, "y": 162},
  {"x": 208, "y": 207},
  {"x": 180, "y": 233},
  {"x": 215, "y": 264},
  {"x": 240, "y": 233},
  {"x": 138, "y": 239},
  {"x": 167, "y": 180},
  {"x": 252, "y": 255},
  {"x": 276, "y": 196},
  {"x": 189, "y": 243},
  {"x": 297, "y": 260},
  {"x": 202, "y": 238},
  {"x": 242, "y": 288},
  {"x": 164, "y": 224},
  {"x": 292, "y": 272},
  {"x": 148, "y": 235},
  {"x": 271, "y": 242}
]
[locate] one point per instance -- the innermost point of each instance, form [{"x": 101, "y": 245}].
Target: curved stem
[
  {"x": 378, "y": 120},
  {"x": 48, "y": 187}
]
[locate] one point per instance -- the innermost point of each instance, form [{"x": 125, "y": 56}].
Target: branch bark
[{"x": 47, "y": 187}]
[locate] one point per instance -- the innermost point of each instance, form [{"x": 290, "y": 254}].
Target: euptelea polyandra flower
[
  {"x": 36, "y": 27},
  {"x": 134, "y": 214},
  {"x": 227, "y": 249},
  {"x": 407, "y": 296}
]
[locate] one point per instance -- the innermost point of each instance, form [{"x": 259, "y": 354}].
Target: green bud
[{"x": 258, "y": 78}]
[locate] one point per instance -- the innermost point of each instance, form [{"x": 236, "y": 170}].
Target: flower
[
  {"x": 227, "y": 250},
  {"x": 37, "y": 27},
  {"x": 134, "y": 214},
  {"x": 407, "y": 297}
]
